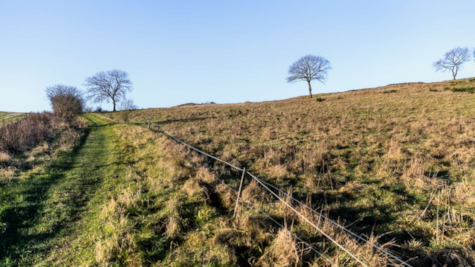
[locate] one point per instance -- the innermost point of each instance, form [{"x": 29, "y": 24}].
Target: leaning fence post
[
  {"x": 149, "y": 124},
  {"x": 239, "y": 192}
]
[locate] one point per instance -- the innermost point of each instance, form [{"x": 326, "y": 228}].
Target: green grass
[
  {"x": 40, "y": 207},
  {"x": 103, "y": 203},
  {"x": 6, "y": 117}
]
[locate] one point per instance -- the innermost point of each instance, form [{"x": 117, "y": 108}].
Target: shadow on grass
[{"x": 41, "y": 207}]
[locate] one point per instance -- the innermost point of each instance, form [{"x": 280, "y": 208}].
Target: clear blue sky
[{"x": 223, "y": 51}]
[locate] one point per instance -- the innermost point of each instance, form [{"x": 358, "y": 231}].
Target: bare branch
[
  {"x": 108, "y": 86},
  {"x": 309, "y": 68},
  {"x": 453, "y": 61}
]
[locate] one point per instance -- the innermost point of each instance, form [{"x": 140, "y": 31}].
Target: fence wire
[{"x": 266, "y": 186}]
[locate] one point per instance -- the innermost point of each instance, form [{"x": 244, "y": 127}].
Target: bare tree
[
  {"x": 108, "y": 86},
  {"x": 67, "y": 101},
  {"x": 309, "y": 68},
  {"x": 453, "y": 61},
  {"x": 126, "y": 107}
]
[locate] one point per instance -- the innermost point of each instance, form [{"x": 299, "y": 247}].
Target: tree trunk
[
  {"x": 309, "y": 89},
  {"x": 113, "y": 102}
]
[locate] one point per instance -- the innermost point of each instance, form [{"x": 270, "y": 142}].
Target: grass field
[
  {"x": 6, "y": 117},
  {"x": 104, "y": 196},
  {"x": 395, "y": 161},
  {"x": 394, "y": 164}
]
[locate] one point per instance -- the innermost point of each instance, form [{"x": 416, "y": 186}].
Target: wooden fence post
[
  {"x": 149, "y": 124},
  {"x": 240, "y": 191}
]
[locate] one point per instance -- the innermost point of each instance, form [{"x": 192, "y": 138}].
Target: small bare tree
[
  {"x": 453, "y": 61},
  {"x": 67, "y": 101},
  {"x": 126, "y": 107},
  {"x": 309, "y": 68},
  {"x": 108, "y": 86}
]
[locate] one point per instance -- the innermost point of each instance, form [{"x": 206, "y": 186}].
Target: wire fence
[
  {"x": 267, "y": 186},
  {"x": 268, "y": 216}
]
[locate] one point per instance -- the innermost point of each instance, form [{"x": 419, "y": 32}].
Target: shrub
[
  {"x": 67, "y": 101},
  {"x": 389, "y": 91},
  {"x": 20, "y": 135},
  {"x": 468, "y": 89},
  {"x": 319, "y": 99},
  {"x": 446, "y": 88},
  {"x": 99, "y": 109},
  {"x": 433, "y": 90},
  {"x": 471, "y": 80}
]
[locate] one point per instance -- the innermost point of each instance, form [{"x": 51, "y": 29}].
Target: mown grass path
[{"x": 39, "y": 209}]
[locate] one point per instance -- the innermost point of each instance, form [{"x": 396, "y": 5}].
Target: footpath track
[{"x": 40, "y": 208}]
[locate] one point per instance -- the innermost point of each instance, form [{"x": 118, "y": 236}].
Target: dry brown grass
[
  {"x": 7, "y": 173},
  {"x": 363, "y": 156},
  {"x": 4, "y": 158},
  {"x": 284, "y": 251},
  {"x": 62, "y": 138},
  {"x": 20, "y": 135},
  {"x": 204, "y": 175}
]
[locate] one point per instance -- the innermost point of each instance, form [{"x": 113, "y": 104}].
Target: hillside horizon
[
  {"x": 317, "y": 94},
  {"x": 295, "y": 97}
]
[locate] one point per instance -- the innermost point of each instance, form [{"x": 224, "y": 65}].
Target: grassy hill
[
  {"x": 394, "y": 161},
  {"x": 393, "y": 164}
]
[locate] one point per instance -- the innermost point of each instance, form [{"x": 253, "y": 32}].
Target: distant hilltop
[{"x": 194, "y": 104}]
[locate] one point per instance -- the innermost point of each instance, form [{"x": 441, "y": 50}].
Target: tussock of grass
[
  {"x": 284, "y": 251},
  {"x": 4, "y": 158}
]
